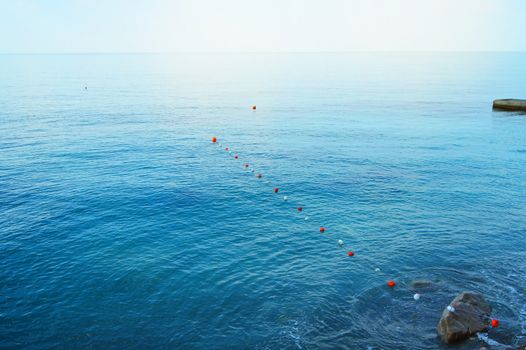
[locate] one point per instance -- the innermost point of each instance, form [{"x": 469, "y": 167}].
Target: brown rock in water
[{"x": 471, "y": 315}]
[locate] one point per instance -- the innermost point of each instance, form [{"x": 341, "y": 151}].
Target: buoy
[
  {"x": 254, "y": 107},
  {"x": 259, "y": 176},
  {"x": 416, "y": 296},
  {"x": 391, "y": 284},
  {"x": 300, "y": 208},
  {"x": 494, "y": 323},
  {"x": 227, "y": 149},
  {"x": 377, "y": 269},
  {"x": 322, "y": 229},
  {"x": 276, "y": 190},
  {"x": 285, "y": 198},
  {"x": 246, "y": 165},
  {"x": 236, "y": 156},
  {"x": 306, "y": 218},
  {"x": 340, "y": 242},
  {"x": 450, "y": 308},
  {"x": 350, "y": 253},
  {"x": 214, "y": 140}
]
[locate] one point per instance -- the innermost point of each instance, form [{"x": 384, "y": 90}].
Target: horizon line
[{"x": 253, "y": 52}]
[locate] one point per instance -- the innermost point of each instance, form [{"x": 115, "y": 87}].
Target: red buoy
[
  {"x": 350, "y": 253},
  {"x": 260, "y": 176},
  {"x": 254, "y": 107},
  {"x": 494, "y": 323},
  {"x": 276, "y": 190},
  {"x": 391, "y": 284},
  {"x": 214, "y": 139},
  {"x": 236, "y": 156},
  {"x": 246, "y": 165},
  {"x": 300, "y": 208},
  {"x": 322, "y": 229},
  {"x": 226, "y": 149}
]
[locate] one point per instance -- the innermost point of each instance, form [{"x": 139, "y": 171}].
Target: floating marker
[
  {"x": 350, "y": 253},
  {"x": 285, "y": 198},
  {"x": 236, "y": 156},
  {"x": 300, "y": 209},
  {"x": 276, "y": 190},
  {"x": 416, "y": 296},
  {"x": 450, "y": 308},
  {"x": 254, "y": 107},
  {"x": 322, "y": 229},
  {"x": 494, "y": 323},
  {"x": 259, "y": 176},
  {"x": 377, "y": 269},
  {"x": 340, "y": 242},
  {"x": 227, "y": 149},
  {"x": 306, "y": 218},
  {"x": 391, "y": 284},
  {"x": 246, "y": 165},
  {"x": 214, "y": 139}
]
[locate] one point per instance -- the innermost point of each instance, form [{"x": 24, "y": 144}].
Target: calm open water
[{"x": 123, "y": 227}]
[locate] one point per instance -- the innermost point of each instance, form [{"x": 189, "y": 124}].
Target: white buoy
[
  {"x": 340, "y": 242},
  {"x": 285, "y": 198},
  {"x": 450, "y": 308},
  {"x": 377, "y": 269},
  {"x": 306, "y": 218},
  {"x": 416, "y": 296}
]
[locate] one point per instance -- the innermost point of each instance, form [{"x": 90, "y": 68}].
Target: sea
[{"x": 123, "y": 226}]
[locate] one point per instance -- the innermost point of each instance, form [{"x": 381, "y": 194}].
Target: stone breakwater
[{"x": 510, "y": 104}]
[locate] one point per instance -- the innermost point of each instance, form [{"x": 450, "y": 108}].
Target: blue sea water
[{"x": 123, "y": 227}]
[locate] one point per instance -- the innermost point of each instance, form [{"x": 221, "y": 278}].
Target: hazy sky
[{"x": 262, "y": 25}]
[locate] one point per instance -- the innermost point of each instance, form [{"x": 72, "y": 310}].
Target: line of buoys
[{"x": 391, "y": 283}]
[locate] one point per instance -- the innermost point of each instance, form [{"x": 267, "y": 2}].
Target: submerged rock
[
  {"x": 422, "y": 284},
  {"x": 467, "y": 314}
]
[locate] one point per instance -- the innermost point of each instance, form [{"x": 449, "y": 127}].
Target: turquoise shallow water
[{"x": 122, "y": 226}]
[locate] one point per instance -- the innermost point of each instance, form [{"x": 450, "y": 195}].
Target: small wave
[{"x": 486, "y": 339}]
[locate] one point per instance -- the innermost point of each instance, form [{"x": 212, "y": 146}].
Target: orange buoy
[
  {"x": 300, "y": 208},
  {"x": 214, "y": 139},
  {"x": 276, "y": 190},
  {"x": 322, "y": 229},
  {"x": 391, "y": 284},
  {"x": 236, "y": 156},
  {"x": 350, "y": 253},
  {"x": 494, "y": 323},
  {"x": 254, "y": 107}
]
